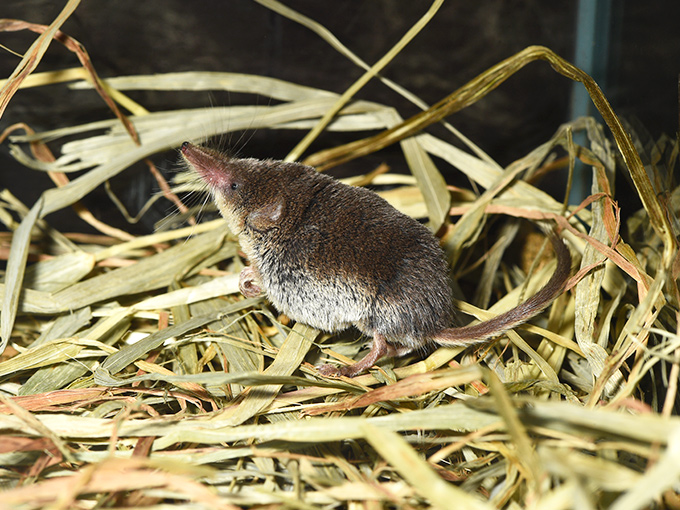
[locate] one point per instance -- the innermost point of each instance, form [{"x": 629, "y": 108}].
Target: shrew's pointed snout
[
  {"x": 212, "y": 166},
  {"x": 200, "y": 157}
]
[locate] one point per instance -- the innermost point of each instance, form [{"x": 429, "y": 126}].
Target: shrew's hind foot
[{"x": 379, "y": 349}]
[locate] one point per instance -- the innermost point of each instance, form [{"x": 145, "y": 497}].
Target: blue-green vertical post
[{"x": 591, "y": 54}]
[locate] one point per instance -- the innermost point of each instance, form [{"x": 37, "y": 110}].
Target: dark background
[{"x": 464, "y": 38}]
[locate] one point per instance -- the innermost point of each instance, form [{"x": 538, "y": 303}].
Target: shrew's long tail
[{"x": 483, "y": 331}]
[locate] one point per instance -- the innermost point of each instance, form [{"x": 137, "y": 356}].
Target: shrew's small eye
[{"x": 234, "y": 186}]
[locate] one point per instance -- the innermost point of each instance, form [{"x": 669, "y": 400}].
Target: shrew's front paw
[{"x": 249, "y": 282}]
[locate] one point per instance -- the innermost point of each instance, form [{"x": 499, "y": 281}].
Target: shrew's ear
[{"x": 267, "y": 216}]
